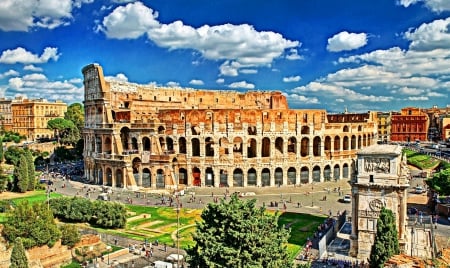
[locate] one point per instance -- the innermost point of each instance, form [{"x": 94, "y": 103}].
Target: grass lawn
[
  {"x": 160, "y": 223},
  {"x": 421, "y": 161}
]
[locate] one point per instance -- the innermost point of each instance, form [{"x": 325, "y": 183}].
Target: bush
[{"x": 70, "y": 234}]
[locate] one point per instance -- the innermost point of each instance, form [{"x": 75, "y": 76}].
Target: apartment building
[
  {"x": 30, "y": 117},
  {"x": 411, "y": 124}
]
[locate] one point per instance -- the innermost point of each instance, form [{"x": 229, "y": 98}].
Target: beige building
[
  {"x": 384, "y": 127},
  {"x": 156, "y": 137},
  {"x": 30, "y": 117},
  {"x": 382, "y": 181},
  {"x": 5, "y": 114}
]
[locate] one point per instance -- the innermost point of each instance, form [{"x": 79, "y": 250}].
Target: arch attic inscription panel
[{"x": 381, "y": 180}]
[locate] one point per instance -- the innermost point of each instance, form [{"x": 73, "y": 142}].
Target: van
[{"x": 103, "y": 197}]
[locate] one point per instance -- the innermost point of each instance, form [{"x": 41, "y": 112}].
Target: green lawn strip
[
  {"x": 421, "y": 161},
  {"x": 40, "y": 196}
]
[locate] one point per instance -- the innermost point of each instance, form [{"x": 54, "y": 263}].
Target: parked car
[
  {"x": 347, "y": 199},
  {"x": 419, "y": 190}
]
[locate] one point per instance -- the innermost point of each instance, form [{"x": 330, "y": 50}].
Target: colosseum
[{"x": 145, "y": 136}]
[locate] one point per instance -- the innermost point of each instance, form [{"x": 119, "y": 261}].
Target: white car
[
  {"x": 347, "y": 198},
  {"x": 419, "y": 190}
]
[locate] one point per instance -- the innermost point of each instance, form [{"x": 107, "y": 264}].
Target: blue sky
[{"x": 362, "y": 55}]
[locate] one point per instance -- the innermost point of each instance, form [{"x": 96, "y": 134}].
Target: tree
[
  {"x": 1, "y": 151},
  {"x": 3, "y": 180},
  {"x": 12, "y": 155},
  {"x": 237, "y": 234},
  {"x": 386, "y": 239},
  {"x": 69, "y": 234},
  {"x": 33, "y": 223},
  {"x": 66, "y": 131},
  {"x": 75, "y": 113},
  {"x": 21, "y": 175},
  {"x": 31, "y": 170},
  {"x": 18, "y": 255},
  {"x": 440, "y": 182}
]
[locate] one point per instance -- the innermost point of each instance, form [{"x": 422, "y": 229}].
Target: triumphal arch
[
  {"x": 381, "y": 180},
  {"x": 158, "y": 137}
]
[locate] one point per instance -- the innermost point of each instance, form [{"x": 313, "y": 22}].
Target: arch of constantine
[{"x": 157, "y": 137}]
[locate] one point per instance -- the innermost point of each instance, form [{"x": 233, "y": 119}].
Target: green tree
[
  {"x": 238, "y": 234},
  {"x": 34, "y": 223},
  {"x": 21, "y": 175},
  {"x": 18, "y": 255},
  {"x": 75, "y": 113},
  {"x": 1, "y": 151},
  {"x": 31, "y": 170},
  {"x": 69, "y": 234},
  {"x": 12, "y": 155},
  {"x": 3, "y": 180},
  {"x": 440, "y": 182},
  {"x": 66, "y": 131},
  {"x": 386, "y": 239}
]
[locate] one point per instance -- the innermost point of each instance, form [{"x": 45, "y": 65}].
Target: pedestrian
[{"x": 165, "y": 247}]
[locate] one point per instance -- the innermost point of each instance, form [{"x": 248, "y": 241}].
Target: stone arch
[
  {"x": 304, "y": 147},
  {"x": 265, "y": 147},
  {"x": 195, "y": 142},
  {"x": 353, "y": 142},
  {"x": 327, "y": 173},
  {"x": 169, "y": 144},
  {"x": 134, "y": 144},
  {"x": 265, "y": 177},
  {"x": 278, "y": 176},
  {"x": 345, "y": 171},
  {"x": 196, "y": 174},
  {"x": 182, "y": 176},
  {"x": 108, "y": 174},
  {"x": 317, "y": 144},
  {"x": 160, "y": 179},
  {"x": 292, "y": 145},
  {"x": 337, "y": 143},
  {"x": 146, "y": 178},
  {"x": 251, "y": 148},
  {"x": 161, "y": 130},
  {"x": 305, "y": 130},
  {"x": 162, "y": 143},
  {"x": 209, "y": 174},
  {"x": 345, "y": 143},
  {"x": 223, "y": 146},
  {"x": 237, "y": 145},
  {"x": 238, "y": 178},
  {"x": 182, "y": 145},
  {"x": 125, "y": 137},
  {"x": 136, "y": 165},
  {"x": 316, "y": 174},
  {"x": 119, "y": 178},
  {"x": 359, "y": 141},
  {"x": 107, "y": 145},
  {"x": 251, "y": 177},
  {"x": 209, "y": 146},
  {"x": 345, "y": 128},
  {"x": 336, "y": 172},
  {"x": 327, "y": 145},
  {"x": 304, "y": 175},
  {"x": 146, "y": 144},
  {"x": 279, "y": 143},
  {"x": 292, "y": 175}
]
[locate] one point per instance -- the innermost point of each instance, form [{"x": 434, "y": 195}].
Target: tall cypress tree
[
  {"x": 238, "y": 234},
  {"x": 386, "y": 240},
  {"x": 18, "y": 255},
  {"x": 31, "y": 171},
  {"x": 1, "y": 151},
  {"x": 21, "y": 175}
]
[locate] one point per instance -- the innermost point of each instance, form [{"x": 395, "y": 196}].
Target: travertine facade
[
  {"x": 382, "y": 180},
  {"x": 5, "y": 114},
  {"x": 153, "y": 137},
  {"x": 30, "y": 117}
]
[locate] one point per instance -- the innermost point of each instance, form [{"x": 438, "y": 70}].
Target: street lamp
[
  {"x": 312, "y": 194},
  {"x": 108, "y": 248},
  {"x": 412, "y": 240}
]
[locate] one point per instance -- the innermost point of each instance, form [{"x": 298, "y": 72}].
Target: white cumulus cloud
[
  {"x": 21, "y": 55},
  {"x": 240, "y": 46},
  {"x": 120, "y": 77},
  {"x": 346, "y": 41},
  {"x": 242, "y": 84},
  {"x": 9, "y": 73},
  {"x": 196, "y": 82},
  {"x": 21, "y": 15},
  {"x": 430, "y": 36},
  {"x": 291, "y": 79},
  {"x": 434, "y": 5}
]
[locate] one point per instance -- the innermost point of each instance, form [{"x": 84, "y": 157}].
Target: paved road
[{"x": 319, "y": 198}]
